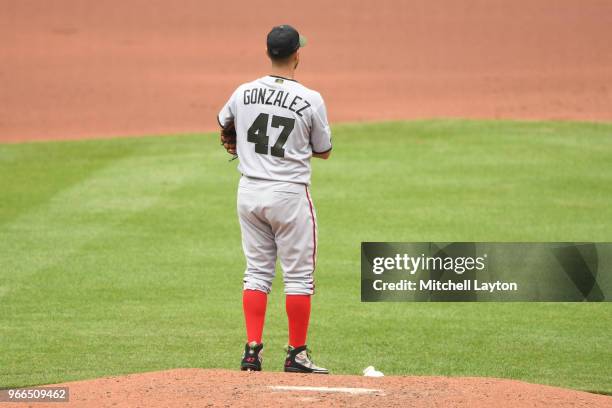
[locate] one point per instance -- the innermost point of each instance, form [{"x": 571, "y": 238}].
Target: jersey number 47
[{"x": 258, "y": 134}]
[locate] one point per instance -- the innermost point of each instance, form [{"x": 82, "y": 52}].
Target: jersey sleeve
[
  {"x": 320, "y": 132},
  {"x": 228, "y": 112}
]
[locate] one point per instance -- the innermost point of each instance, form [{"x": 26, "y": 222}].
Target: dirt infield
[
  {"x": 72, "y": 69},
  {"x": 197, "y": 387}
]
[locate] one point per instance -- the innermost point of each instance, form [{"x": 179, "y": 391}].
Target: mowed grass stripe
[
  {"x": 50, "y": 168},
  {"x": 84, "y": 211},
  {"x": 123, "y": 255}
]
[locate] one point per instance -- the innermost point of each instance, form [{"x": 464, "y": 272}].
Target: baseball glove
[{"x": 228, "y": 137}]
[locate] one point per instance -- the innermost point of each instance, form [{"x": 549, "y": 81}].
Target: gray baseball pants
[{"x": 277, "y": 219}]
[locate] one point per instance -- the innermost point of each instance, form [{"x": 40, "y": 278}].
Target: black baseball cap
[{"x": 284, "y": 40}]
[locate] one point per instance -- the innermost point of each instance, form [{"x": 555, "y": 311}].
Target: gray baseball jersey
[{"x": 279, "y": 124}]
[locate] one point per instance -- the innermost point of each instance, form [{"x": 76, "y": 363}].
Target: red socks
[
  {"x": 254, "y": 304},
  {"x": 298, "y": 314}
]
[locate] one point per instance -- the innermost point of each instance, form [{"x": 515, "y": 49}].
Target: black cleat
[
  {"x": 298, "y": 361},
  {"x": 252, "y": 357}
]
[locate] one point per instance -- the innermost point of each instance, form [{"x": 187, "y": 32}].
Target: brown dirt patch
[
  {"x": 198, "y": 387},
  {"x": 72, "y": 69}
]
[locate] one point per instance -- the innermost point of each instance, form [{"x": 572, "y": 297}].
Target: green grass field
[{"x": 123, "y": 255}]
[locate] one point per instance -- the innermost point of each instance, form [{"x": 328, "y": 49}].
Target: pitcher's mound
[{"x": 199, "y": 387}]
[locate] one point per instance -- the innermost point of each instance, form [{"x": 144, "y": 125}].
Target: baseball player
[{"x": 274, "y": 125}]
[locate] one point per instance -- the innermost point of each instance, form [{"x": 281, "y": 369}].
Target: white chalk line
[{"x": 345, "y": 390}]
